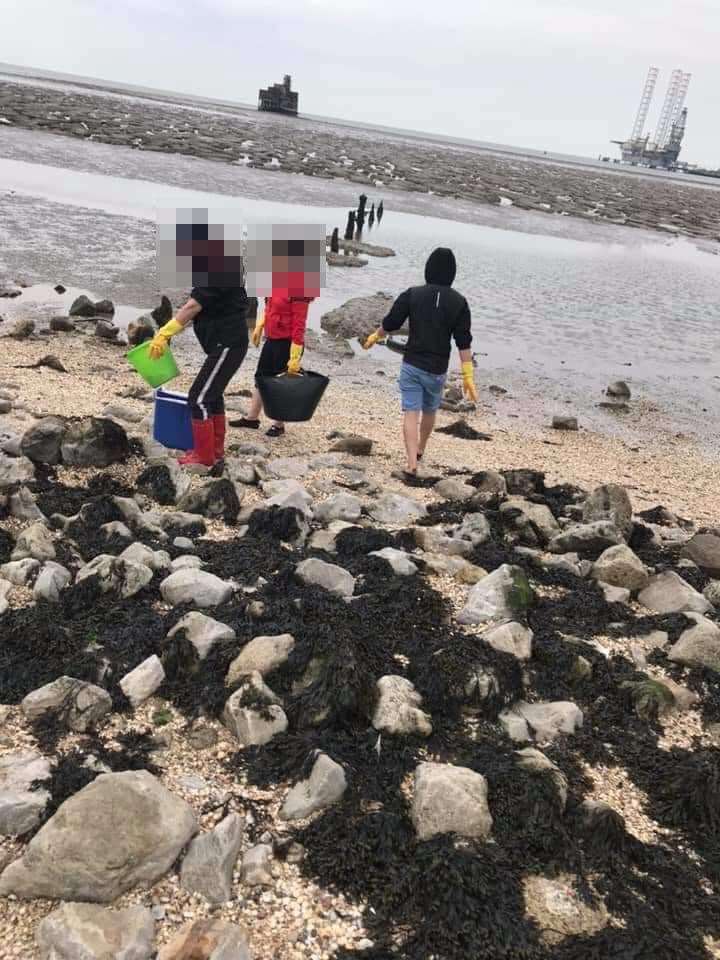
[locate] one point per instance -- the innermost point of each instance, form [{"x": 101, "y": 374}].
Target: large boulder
[
  {"x": 669, "y": 593},
  {"x": 122, "y": 830},
  {"x": 450, "y": 799},
  {"x": 329, "y": 576},
  {"x": 325, "y": 786},
  {"x": 208, "y": 865},
  {"x": 398, "y": 708},
  {"x": 704, "y": 550},
  {"x": 261, "y": 655},
  {"x": 357, "y": 317},
  {"x": 75, "y": 703},
  {"x": 94, "y": 442},
  {"x": 21, "y": 807},
  {"x": 699, "y": 645},
  {"x": 532, "y": 523},
  {"x": 195, "y": 586},
  {"x": 505, "y": 594},
  {"x": 621, "y": 567},
  {"x": 395, "y": 510},
  {"x": 207, "y": 940},
  {"x": 610, "y": 502},
  {"x": 543, "y": 722},
  {"x": 84, "y": 931},
  {"x": 42, "y": 442},
  {"x": 164, "y": 482}
]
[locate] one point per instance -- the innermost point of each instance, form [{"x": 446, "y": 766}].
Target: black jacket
[
  {"x": 437, "y": 314},
  {"x": 221, "y": 323}
]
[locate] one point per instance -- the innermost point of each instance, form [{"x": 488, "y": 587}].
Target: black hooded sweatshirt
[{"x": 437, "y": 313}]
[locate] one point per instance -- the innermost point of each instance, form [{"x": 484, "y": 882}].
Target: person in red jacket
[{"x": 283, "y": 323}]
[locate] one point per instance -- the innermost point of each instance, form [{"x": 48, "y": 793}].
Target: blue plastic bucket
[{"x": 173, "y": 426}]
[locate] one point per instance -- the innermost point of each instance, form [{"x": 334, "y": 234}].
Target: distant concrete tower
[
  {"x": 674, "y": 101},
  {"x": 645, "y": 101}
]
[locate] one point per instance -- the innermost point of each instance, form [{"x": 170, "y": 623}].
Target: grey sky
[{"x": 552, "y": 74}]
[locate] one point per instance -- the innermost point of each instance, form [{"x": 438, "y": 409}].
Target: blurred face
[{"x": 286, "y": 259}]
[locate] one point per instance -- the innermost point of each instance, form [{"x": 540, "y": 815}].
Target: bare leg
[
  {"x": 255, "y": 406},
  {"x": 410, "y": 433},
  {"x": 427, "y": 425}
]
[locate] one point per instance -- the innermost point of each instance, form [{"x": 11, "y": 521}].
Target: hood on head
[{"x": 441, "y": 267}]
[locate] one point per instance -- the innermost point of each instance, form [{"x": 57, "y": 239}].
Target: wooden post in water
[
  {"x": 371, "y": 217},
  {"x": 334, "y": 242},
  {"x": 380, "y": 212},
  {"x": 350, "y": 228}
]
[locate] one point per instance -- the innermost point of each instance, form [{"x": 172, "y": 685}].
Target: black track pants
[{"x": 206, "y": 394}]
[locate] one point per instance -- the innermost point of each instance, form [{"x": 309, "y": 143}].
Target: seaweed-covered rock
[
  {"x": 115, "y": 575},
  {"x": 532, "y": 523},
  {"x": 262, "y": 655},
  {"x": 620, "y": 567},
  {"x": 121, "y": 830},
  {"x": 215, "y": 499},
  {"x": 21, "y": 806},
  {"x": 84, "y": 931},
  {"x": 94, "y": 442},
  {"x": 668, "y": 593},
  {"x": 253, "y": 713},
  {"x": 208, "y": 866},
  {"x": 82, "y": 306},
  {"x": 164, "y": 482},
  {"x": 326, "y": 575},
  {"x": 505, "y": 594},
  {"x": 324, "y": 787},
  {"x": 74, "y": 703},
  {"x": 143, "y": 681},
  {"x": 512, "y": 638},
  {"x": 543, "y": 722},
  {"x": 610, "y": 502},
  {"x": 42, "y": 442},
  {"x": 398, "y": 708},
  {"x": 535, "y": 762},
  {"x": 36, "y": 542},
  {"x": 395, "y": 510},
  {"x": 450, "y": 799},
  {"x": 207, "y": 940},
  {"x": 522, "y": 482},
  {"x": 202, "y": 632},
  {"x": 699, "y": 645},
  {"x": 195, "y": 586}
]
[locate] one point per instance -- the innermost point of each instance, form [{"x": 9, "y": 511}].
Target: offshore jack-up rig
[{"x": 663, "y": 150}]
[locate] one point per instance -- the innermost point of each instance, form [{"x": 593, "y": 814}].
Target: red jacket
[{"x": 286, "y": 317}]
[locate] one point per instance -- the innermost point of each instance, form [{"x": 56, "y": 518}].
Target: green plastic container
[{"x": 154, "y": 372}]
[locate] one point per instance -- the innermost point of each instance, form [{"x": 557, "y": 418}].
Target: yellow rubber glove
[
  {"x": 468, "y": 377},
  {"x": 257, "y": 333},
  {"x": 159, "y": 343},
  {"x": 373, "y": 339},
  {"x": 296, "y": 352}
]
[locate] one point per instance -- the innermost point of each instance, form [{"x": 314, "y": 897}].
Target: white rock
[
  {"x": 18, "y": 572},
  {"x": 20, "y": 807},
  {"x": 84, "y": 931},
  {"x": 114, "y": 574},
  {"x": 261, "y": 655},
  {"x": 503, "y": 594},
  {"x": 202, "y": 632},
  {"x": 207, "y": 868},
  {"x": 326, "y": 575},
  {"x": 621, "y": 567},
  {"x": 669, "y": 593},
  {"x": 398, "y": 708},
  {"x": 543, "y": 722},
  {"x": 399, "y": 560},
  {"x": 324, "y": 787},
  {"x": 343, "y": 506},
  {"x": 143, "y": 681},
  {"x": 78, "y": 704},
  {"x": 251, "y": 724},
  {"x": 195, "y": 586},
  {"x": 256, "y": 868},
  {"x": 395, "y": 510},
  {"x": 450, "y": 799},
  {"x": 189, "y": 562},
  {"x": 511, "y": 638}
]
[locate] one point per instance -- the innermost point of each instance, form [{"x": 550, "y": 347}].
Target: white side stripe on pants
[{"x": 208, "y": 382}]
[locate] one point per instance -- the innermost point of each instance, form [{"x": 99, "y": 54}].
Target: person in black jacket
[
  {"x": 217, "y": 307},
  {"x": 438, "y": 315}
]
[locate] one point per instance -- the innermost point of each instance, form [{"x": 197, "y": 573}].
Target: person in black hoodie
[{"x": 438, "y": 315}]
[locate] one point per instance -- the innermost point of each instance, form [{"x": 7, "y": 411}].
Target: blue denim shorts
[{"x": 420, "y": 390}]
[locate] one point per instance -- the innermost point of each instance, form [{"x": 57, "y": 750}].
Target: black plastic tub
[{"x": 292, "y": 399}]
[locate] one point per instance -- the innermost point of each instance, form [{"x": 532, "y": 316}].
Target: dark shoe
[
  {"x": 245, "y": 424},
  {"x": 275, "y": 431}
]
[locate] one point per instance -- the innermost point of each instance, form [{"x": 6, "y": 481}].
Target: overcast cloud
[{"x": 561, "y": 75}]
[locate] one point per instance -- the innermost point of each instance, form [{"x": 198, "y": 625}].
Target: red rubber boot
[
  {"x": 220, "y": 426},
  {"x": 203, "y": 452}
]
